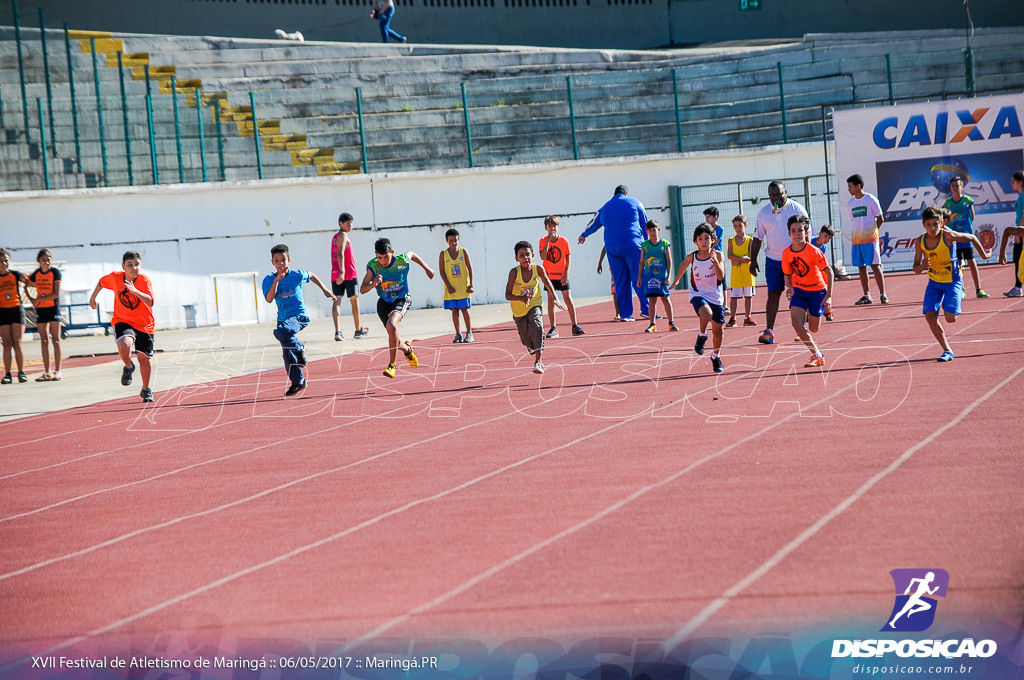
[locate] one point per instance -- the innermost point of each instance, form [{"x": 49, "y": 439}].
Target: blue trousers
[
  {"x": 624, "y": 265},
  {"x": 386, "y": 32},
  {"x": 294, "y": 351}
]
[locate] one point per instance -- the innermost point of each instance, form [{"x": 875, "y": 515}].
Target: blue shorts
[
  {"x": 460, "y": 303},
  {"x": 811, "y": 300},
  {"x": 946, "y": 296},
  {"x": 717, "y": 311},
  {"x": 865, "y": 254},
  {"x": 773, "y": 275}
]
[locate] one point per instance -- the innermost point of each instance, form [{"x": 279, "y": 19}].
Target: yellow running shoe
[
  {"x": 410, "y": 356},
  {"x": 390, "y": 370}
]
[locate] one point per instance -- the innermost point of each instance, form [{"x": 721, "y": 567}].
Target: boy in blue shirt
[{"x": 285, "y": 288}]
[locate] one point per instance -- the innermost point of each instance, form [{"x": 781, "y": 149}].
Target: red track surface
[{"x": 629, "y": 490}]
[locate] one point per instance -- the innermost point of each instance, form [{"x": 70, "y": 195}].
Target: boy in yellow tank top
[
  {"x": 739, "y": 274},
  {"x": 523, "y": 292},
  {"x": 457, "y": 276},
  {"x": 936, "y": 255}
]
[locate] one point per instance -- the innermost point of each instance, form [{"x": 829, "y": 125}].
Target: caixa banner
[{"x": 908, "y": 155}]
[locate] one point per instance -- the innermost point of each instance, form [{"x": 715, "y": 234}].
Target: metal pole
[
  {"x": 2, "y": 124},
  {"x": 888, "y": 77},
  {"x": 42, "y": 140},
  {"x": 127, "y": 131},
  {"x": 220, "y": 138},
  {"x": 49, "y": 86},
  {"x": 202, "y": 141},
  {"x": 465, "y": 115},
  {"x": 152, "y": 139},
  {"x": 177, "y": 128},
  {"x": 828, "y": 172},
  {"x": 99, "y": 110},
  {"x": 572, "y": 119},
  {"x": 74, "y": 106},
  {"x": 969, "y": 70},
  {"x": 21, "y": 71},
  {"x": 362, "y": 132},
  {"x": 679, "y": 123},
  {"x": 256, "y": 135},
  {"x": 782, "y": 106}
]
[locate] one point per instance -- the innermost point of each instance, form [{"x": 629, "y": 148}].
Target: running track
[{"x": 628, "y": 491}]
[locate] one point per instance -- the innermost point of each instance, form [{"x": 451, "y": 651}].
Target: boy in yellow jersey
[
  {"x": 739, "y": 275},
  {"x": 457, "y": 276},
  {"x": 523, "y": 291},
  {"x": 936, "y": 254}
]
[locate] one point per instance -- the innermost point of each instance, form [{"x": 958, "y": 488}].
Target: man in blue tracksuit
[{"x": 624, "y": 220}]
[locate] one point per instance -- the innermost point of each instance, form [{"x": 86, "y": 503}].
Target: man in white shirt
[{"x": 865, "y": 219}]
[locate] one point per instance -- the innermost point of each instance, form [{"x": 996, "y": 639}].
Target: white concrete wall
[{"x": 187, "y": 233}]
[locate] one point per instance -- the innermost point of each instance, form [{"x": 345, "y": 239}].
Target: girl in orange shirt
[
  {"x": 12, "y": 318},
  {"x": 46, "y": 281}
]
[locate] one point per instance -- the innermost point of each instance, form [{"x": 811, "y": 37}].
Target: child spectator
[
  {"x": 554, "y": 255},
  {"x": 934, "y": 254},
  {"x": 808, "y": 285},
  {"x": 711, "y": 219},
  {"x": 344, "y": 276},
  {"x": 1018, "y": 263},
  {"x": 820, "y": 241},
  {"x": 962, "y": 207},
  {"x": 46, "y": 281},
  {"x": 522, "y": 290},
  {"x": 1017, "y": 183},
  {"x": 457, "y": 275},
  {"x": 389, "y": 274},
  {"x": 655, "y": 270},
  {"x": 866, "y": 218},
  {"x": 615, "y": 300},
  {"x": 12, "y": 318},
  {"x": 707, "y": 293},
  {"x": 285, "y": 288},
  {"x": 742, "y": 281},
  {"x": 133, "y": 321}
]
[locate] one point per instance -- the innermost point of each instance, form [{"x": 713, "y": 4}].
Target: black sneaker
[
  {"x": 146, "y": 394},
  {"x": 717, "y": 365},
  {"x": 361, "y": 333},
  {"x": 295, "y": 389},
  {"x": 699, "y": 346},
  {"x": 576, "y": 330},
  {"x": 126, "y": 375}
]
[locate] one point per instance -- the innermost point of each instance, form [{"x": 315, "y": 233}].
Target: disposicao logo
[{"x": 912, "y": 612}]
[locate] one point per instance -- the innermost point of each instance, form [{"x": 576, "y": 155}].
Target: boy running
[
  {"x": 133, "y": 321},
  {"x": 808, "y": 285},
  {"x": 707, "y": 294},
  {"x": 655, "y": 270},
  {"x": 343, "y": 277},
  {"x": 934, "y": 254},
  {"x": 522, "y": 290},
  {"x": 389, "y": 274},
  {"x": 457, "y": 275},
  {"x": 285, "y": 288},
  {"x": 554, "y": 254}
]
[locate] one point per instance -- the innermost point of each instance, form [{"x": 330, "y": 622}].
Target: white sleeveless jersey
[{"x": 704, "y": 282}]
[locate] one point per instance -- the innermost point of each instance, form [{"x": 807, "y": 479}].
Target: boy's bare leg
[
  {"x": 145, "y": 368},
  {"x": 716, "y": 337},
  {"x": 799, "y": 316},
  {"x": 354, "y": 301},
  {"x": 667, "y": 302},
  {"x": 863, "y": 272},
  {"x": 125, "y": 349},
  {"x": 466, "y": 321},
  {"x": 336, "y": 315},
  {"x": 747, "y": 302},
  {"x": 876, "y": 269},
  {"x": 551, "y": 311},
  {"x": 937, "y": 330},
  {"x": 570, "y": 307},
  {"x": 732, "y": 308},
  {"x": 974, "y": 274},
  {"x": 455, "y": 320}
]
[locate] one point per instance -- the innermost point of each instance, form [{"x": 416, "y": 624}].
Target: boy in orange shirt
[
  {"x": 808, "y": 285},
  {"x": 554, "y": 254},
  {"x": 133, "y": 320}
]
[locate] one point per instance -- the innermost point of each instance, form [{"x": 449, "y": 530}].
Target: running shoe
[
  {"x": 7, "y": 380},
  {"x": 22, "y": 378},
  {"x": 458, "y": 339},
  {"x": 361, "y": 333},
  {"x": 553, "y": 333},
  {"x": 946, "y": 356},
  {"x": 717, "y": 365},
  {"x": 815, "y": 362},
  {"x": 538, "y": 368},
  {"x": 1014, "y": 292},
  {"x": 672, "y": 326},
  {"x": 339, "y": 336},
  {"x": 884, "y": 299},
  {"x": 766, "y": 338},
  {"x": 698, "y": 346},
  {"x": 126, "y": 375},
  {"x": 410, "y": 356},
  {"x": 864, "y": 300},
  {"x": 653, "y": 328},
  {"x": 147, "y": 394},
  {"x": 749, "y": 322},
  {"x": 731, "y": 323},
  {"x": 390, "y": 370},
  {"x": 469, "y": 338},
  {"x": 982, "y": 294},
  {"x": 829, "y": 317},
  {"x": 576, "y": 330}
]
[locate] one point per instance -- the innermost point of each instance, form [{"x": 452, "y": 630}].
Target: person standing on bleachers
[{"x": 382, "y": 11}]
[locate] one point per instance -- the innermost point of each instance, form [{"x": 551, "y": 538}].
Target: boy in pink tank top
[{"x": 343, "y": 277}]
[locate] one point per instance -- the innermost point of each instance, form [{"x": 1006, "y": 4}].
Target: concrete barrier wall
[{"x": 188, "y": 233}]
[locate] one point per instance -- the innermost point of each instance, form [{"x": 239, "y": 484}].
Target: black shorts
[
  {"x": 965, "y": 254},
  {"x": 348, "y": 287},
  {"x": 385, "y": 308},
  {"x": 12, "y": 315},
  {"x": 47, "y": 314},
  {"x": 560, "y": 284},
  {"x": 143, "y": 340}
]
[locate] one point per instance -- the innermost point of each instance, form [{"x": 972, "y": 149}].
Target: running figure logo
[{"x": 914, "y": 610}]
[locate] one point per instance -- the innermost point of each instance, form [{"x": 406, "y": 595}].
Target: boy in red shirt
[
  {"x": 554, "y": 253},
  {"x": 808, "y": 285},
  {"x": 133, "y": 320}
]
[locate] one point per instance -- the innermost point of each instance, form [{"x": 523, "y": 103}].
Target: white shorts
[{"x": 745, "y": 292}]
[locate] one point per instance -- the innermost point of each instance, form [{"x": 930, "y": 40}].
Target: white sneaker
[
  {"x": 538, "y": 368},
  {"x": 1014, "y": 292}
]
